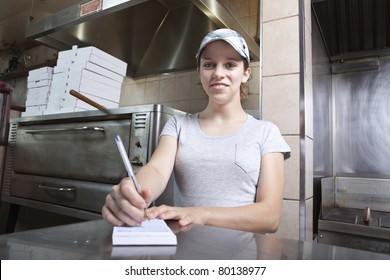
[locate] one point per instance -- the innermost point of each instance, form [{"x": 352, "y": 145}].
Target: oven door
[{"x": 83, "y": 151}]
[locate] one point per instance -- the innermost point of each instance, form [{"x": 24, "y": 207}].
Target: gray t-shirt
[{"x": 221, "y": 170}]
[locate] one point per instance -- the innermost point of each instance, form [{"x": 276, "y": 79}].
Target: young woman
[{"x": 229, "y": 166}]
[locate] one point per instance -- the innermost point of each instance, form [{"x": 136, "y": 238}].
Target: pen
[{"x": 128, "y": 167}]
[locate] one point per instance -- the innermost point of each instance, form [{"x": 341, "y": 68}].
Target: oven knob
[{"x": 137, "y": 161}]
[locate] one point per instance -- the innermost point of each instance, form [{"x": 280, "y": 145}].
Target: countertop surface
[{"x": 92, "y": 240}]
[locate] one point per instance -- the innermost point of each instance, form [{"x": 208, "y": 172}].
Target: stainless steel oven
[
  {"x": 355, "y": 212},
  {"x": 67, "y": 163}
]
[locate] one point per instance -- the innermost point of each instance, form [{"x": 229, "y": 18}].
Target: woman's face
[{"x": 221, "y": 72}]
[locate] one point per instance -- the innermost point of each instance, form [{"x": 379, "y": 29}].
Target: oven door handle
[
  {"x": 60, "y": 189},
  {"x": 83, "y": 128}
]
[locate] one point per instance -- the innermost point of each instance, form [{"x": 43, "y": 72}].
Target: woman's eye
[
  {"x": 230, "y": 65},
  {"x": 207, "y": 65}
]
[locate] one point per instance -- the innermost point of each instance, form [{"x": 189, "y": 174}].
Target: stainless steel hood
[
  {"x": 353, "y": 29},
  {"x": 152, "y": 36}
]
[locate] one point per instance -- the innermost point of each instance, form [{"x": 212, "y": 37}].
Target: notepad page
[
  {"x": 153, "y": 232},
  {"x": 154, "y": 225}
]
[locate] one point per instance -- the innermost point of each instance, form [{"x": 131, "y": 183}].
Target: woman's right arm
[{"x": 123, "y": 204}]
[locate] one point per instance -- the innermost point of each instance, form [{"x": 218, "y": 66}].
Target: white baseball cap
[{"x": 228, "y": 35}]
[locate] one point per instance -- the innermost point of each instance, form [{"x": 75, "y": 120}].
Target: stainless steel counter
[{"x": 92, "y": 240}]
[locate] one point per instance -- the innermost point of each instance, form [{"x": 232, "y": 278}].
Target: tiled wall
[
  {"x": 288, "y": 104},
  {"x": 179, "y": 90}
]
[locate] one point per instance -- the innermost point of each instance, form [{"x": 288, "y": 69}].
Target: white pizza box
[
  {"x": 104, "y": 102},
  {"x": 79, "y": 76},
  {"x": 77, "y": 67},
  {"x": 34, "y": 101},
  {"x": 58, "y": 90},
  {"x": 33, "y": 110},
  {"x": 67, "y": 53},
  {"x": 49, "y": 111},
  {"x": 36, "y": 74},
  {"x": 63, "y": 65},
  {"x": 96, "y": 89},
  {"x": 39, "y": 76},
  {"x": 41, "y": 70},
  {"x": 72, "y": 109},
  {"x": 39, "y": 83},
  {"x": 101, "y": 62},
  {"x": 88, "y": 52},
  {"x": 54, "y": 100},
  {"x": 60, "y": 69},
  {"x": 59, "y": 82},
  {"x": 60, "y": 77},
  {"x": 75, "y": 102},
  {"x": 45, "y": 90},
  {"x": 69, "y": 104},
  {"x": 109, "y": 94},
  {"x": 53, "y": 103},
  {"x": 38, "y": 95},
  {"x": 58, "y": 86}
]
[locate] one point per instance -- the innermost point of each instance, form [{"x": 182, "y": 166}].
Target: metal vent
[
  {"x": 8, "y": 169},
  {"x": 354, "y": 28},
  {"x": 140, "y": 121}
]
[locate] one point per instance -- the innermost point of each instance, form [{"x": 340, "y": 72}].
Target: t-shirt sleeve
[
  {"x": 171, "y": 128},
  {"x": 274, "y": 142}
]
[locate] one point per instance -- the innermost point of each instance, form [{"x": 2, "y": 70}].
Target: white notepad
[{"x": 153, "y": 232}]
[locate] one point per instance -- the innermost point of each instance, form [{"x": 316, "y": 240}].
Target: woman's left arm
[{"x": 262, "y": 216}]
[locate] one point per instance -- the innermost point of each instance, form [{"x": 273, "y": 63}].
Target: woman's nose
[{"x": 218, "y": 71}]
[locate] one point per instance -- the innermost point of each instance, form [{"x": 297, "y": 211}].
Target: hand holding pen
[{"x": 128, "y": 167}]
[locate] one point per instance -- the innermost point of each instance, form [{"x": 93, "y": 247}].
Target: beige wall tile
[
  {"x": 197, "y": 91},
  {"x": 281, "y": 47},
  {"x": 198, "y": 105},
  {"x": 125, "y": 95},
  {"x": 280, "y": 102},
  {"x": 183, "y": 105},
  {"x": 137, "y": 95},
  {"x": 182, "y": 87},
  {"x": 252, "y": 103},
  {"x": 254, "y": 82},
  {"x": 289, "y": 223},
  {"x": 152, "y": 90},
  {"x": 277, "y": 9},
  {"x": 166, "y": 93}
]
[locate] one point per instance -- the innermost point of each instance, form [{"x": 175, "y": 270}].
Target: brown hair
[{"x": 244, "y": 88}]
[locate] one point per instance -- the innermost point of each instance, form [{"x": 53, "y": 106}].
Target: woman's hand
[
  {"x": 185, "y": 216},
  {"x": 124, "y": 205}
]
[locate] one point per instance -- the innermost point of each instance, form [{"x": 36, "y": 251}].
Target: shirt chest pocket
[{"x": 247, "y": 157}]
